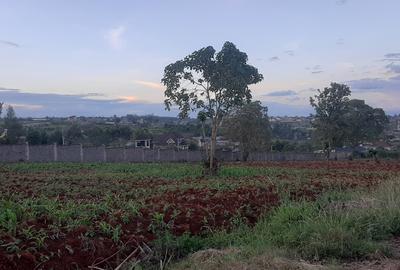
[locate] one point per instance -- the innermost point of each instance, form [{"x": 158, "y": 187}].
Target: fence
[{"x": 78, "y": 153}]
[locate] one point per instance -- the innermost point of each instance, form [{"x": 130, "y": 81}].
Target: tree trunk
[
  {"x": 205, "y": 145},
  {"x": 328, "y": 150},
  {"x": 213, "y": 143}
]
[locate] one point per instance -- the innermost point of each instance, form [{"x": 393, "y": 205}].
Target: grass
[{"x": 338, "y": 226}]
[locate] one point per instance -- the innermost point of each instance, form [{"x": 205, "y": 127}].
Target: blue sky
[{"x": 107, "y": 57}]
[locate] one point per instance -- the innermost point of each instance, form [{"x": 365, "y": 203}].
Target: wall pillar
[
  {"x": 81, "y": 152},
  {"x": 27, "y": 153},
  {"x": 104, "y": 153},
  {"x": 55, "y": 152}
]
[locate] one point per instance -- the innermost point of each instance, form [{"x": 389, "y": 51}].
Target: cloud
[
  {"x": 148, "y": 84},
  {"x": 30, "y": 107},
  {"x": 114, "y": 37},
  {"x": 62, "y": 105},
  {"x": 340, "y": 41},
  {"x": 315, "y": 69},
  {"x": 376, "y": 84},
  {"x": 392, "y": 57},
  {"x": 128, "y": 99},
  {"x": 290, "y": 52},
  {"x": 281, "y": 93},
  {"x": 9, "y": 43},
  {"x": 273, "y": 58},
  {"x": 341, "y": 2},
  {"x": 392, "y": 67}
]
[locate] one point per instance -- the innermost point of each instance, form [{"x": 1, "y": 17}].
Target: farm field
[{"x": 105, "y": 216}]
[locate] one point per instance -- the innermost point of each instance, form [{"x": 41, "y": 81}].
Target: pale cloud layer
[
  {"x": 152, "y": 85},
  {"x": 39, "y": 105},
  {"x": 9, "y": 43},
  {"x": 114, "y": 37}
]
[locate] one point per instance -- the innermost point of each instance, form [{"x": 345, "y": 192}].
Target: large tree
[
  {"x": 363, "y": 123},
  {"x": 330, "y": 106},
  {"x": 211, "y": 82},
  {"x": 248, "y": 125}
]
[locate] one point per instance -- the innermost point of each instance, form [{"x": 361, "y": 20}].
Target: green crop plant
[{"x": 8, "y": 221}]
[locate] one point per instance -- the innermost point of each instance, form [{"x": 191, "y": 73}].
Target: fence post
[
  {"x": 104, "y": 153},
  {"x": 124, "y": 154},
  {"x": 55, "y": 151},
  {"x": 173, "y": 155},
  {"x": 142, "y": 154},
  {"x": 81, "y": 151},
  {"x": 158, "y": 154},
  {"x": 27, "y": 152}
]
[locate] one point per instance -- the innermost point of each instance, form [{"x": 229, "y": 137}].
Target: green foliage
[
  {"x": 36, "y": 136},
  {"x": 317, "y": 234},
  {"x": 339, "y": 120},
  {"x": 8, "y": 220},
  {"x": 320, "y": 230},
  {"x": 178, "y": 246},
  {"x": 363, "y": 123},
  {"x": 218, "y": 81},
  {"x": 73, "y": 134},
  {"x": 330, "y": 106},
  {"x": 109, "y": 230},
  {"x": 284, "y": 131},
  {"x": 142, "y": 134},
  {"x": 100, "y": 200},
  {"x": 56, "y": 137},
  {"x": 13, "y": 127},
  {"x": 248, "y": 125},
  {"x": 210, "y": 82}
]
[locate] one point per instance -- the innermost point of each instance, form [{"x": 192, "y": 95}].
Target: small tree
[
  {"x": 74, "y": 134},
  {"x": 56, "y": 137},
  {"x": 248, "y": 125},
  {"x": 330, "y": 107},
  {"x": 211, "y": 82},
  {"x": 33, "y": 136},
  {"x": 363, "y": 123},
  {"x": 1, "y": 107},
  {"x": 13, "y": 126}
]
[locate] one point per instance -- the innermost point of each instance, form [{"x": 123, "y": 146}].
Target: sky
[{"x": 100, "y": 58}]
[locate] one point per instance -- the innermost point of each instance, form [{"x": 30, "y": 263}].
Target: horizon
[{"x": 105, "y": 59}]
